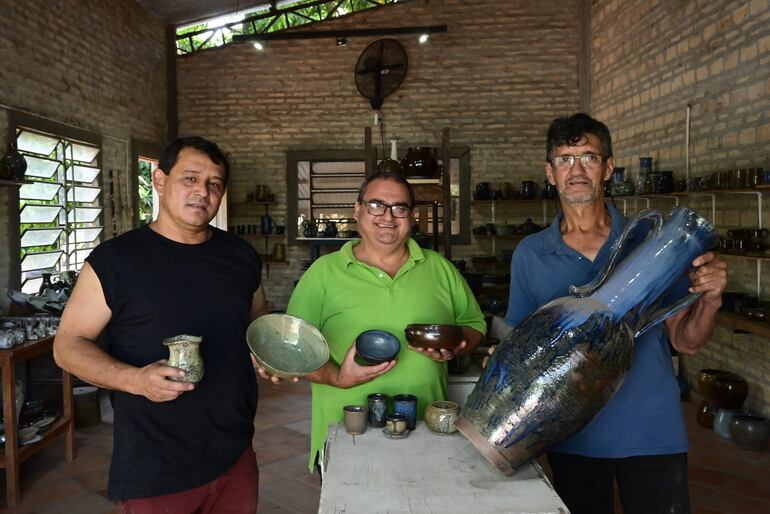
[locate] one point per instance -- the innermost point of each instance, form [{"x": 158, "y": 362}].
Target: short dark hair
[
  {"x": 570, "y": 130},
  {"x": 387, "y": 175},
  {"x": 171, "y": 153}
]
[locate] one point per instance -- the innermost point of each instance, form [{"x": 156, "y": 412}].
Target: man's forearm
[
  {"x": 84, "y": 359},
  {"x": 326, "y": 374},
  {"x": 473, "y": 339},
  {"x": 695, "y": 326}
]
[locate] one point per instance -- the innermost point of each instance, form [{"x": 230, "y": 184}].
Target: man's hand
[
  {"x": 152, "y": 382},
  {"x": 486, "y": 359},
  {"x": 267, "y": 376},
  {"x": 352, "y": 374},
  {"x": 442, "y": 354},
  {"x": 710, "y": 277}
]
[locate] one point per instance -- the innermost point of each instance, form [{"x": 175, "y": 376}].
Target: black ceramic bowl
[{"x": 377, "y": 346}]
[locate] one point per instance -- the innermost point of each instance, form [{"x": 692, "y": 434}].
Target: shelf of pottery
[
  {"x": 507, "y": 216},
  {"x": 734, "y": 201},
  {"x": 257, "y": 208}
]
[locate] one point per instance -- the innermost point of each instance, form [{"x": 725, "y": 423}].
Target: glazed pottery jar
[
  {"x": 184, "y": 353},
  {"x": 309, "y": 228},
  {"x": 440, "y": 417},
  {"x": 643, "y": 179},
  {"x": 279, "y": 252},
  {"x": 13, "y": 165},
  {"x": 722, "y": 422},
  {"x": 730, "y": 391},
  {"x": 406, "y": 404},
  {"x": 483, "y": 191},
  {"x": 419, "y": 163},
  {"x": 750, "y": 432},
  {"x": 355, "y": 419},
  {"x": 706, "y": 379},
  {"x": 559, "y": 366},
  {"x": 266, "y": 226},
  {"x": 378, "y": 409}
]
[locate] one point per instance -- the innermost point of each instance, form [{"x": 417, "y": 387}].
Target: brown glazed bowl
[
  {"x": 750, "y": 432},
  {"x": 434, "y": 336},
  {"x": 706, "y": 379},
  {"x": 730, "y": 391}
]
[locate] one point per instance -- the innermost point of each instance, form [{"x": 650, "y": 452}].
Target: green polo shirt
[{"x": 343, "y": 297}]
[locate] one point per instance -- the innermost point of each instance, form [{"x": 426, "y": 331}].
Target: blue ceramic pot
[
  {"x": 406, "y": 404},
  {"x": 558, "y": 367},
  {"x": 722, "y": 422}
]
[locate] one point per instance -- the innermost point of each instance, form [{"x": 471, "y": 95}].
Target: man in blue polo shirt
[{"x": 639, "y": 438}]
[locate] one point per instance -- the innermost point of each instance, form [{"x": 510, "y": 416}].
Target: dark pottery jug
[
  {"x": 750, "y": 432},
  {"x": 557, "y": 368},
  {"x": 331, "y": 229},
  {"x": 730, "y": 391},
  {"x": 13, "y": 165},
  {"x": 309, "y": 228},
  {"x": 528, "y": 189},
  {"x": 419, "y": 163},
  {"x": 529, "y": 227},
  {"x": 483, "y": 191}
]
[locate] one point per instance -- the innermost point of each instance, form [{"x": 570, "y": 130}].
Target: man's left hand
[
  {"x": 710, "y": 277},
  {"x": 267, "y": 376},
  {"x": 441, "y": 354}
]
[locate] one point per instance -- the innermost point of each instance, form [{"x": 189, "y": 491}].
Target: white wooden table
[{"x": 425, "y": 473}]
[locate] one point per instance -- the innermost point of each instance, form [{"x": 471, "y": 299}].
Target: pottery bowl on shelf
[
  {"x": 730, "y": 391},
  {"x": 706, "y": 379},
  {"x": 287, "y": 346},
  {"x": 377, "y": 346},
  {"x": 750, "y": 432},
  {"x": 434, "y": 336}
]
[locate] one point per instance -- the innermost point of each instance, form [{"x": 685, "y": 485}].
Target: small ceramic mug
[
  {"x": 406, "y": 404},
  {"x": 356, "y": 417},
  {"x": 396, "y": 424}
]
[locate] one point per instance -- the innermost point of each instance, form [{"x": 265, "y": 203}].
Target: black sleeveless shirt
[{"x": 157, "y": 288}]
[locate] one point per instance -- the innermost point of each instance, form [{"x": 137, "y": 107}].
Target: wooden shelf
[
  {"x": 261, "y": 236},
  {"x": 512, "y": 201},
  {"x": 759, "y": 328},
  {"x": 488, "y": 236},
  {"x": 242, "y": 204}
]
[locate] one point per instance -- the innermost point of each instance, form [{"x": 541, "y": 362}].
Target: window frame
[{"x": 18, "y": 120}]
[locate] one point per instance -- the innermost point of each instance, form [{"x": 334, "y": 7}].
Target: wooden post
[
  {"x": 447, "y": 196},
  {"x": 369, "y": 160}
]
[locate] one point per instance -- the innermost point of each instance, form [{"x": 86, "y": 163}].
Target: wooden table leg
[
  {"x": 68, "y": 405},
  {"x": 12, "y": 484}
]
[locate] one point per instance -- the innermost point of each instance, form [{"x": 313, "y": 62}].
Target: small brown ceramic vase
[
  {"x": 440, "y": 417},
  {"x": 184, "y": 353},
  {"x": 356, "y": 417}
]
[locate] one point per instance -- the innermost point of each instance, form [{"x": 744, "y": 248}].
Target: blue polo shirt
[{"x": 645, "y": 416}]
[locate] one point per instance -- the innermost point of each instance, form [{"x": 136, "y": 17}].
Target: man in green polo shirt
[{"x": 385, "y": 281}]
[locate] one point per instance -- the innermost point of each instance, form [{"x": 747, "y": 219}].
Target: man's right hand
[
  {"x": 153, "y": 382},
  {"x": 352, "y": 374}
]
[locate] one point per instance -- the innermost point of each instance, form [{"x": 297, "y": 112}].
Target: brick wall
[
  {"x": 95, "y": 65},
  {"x": 496, "y": 78},
  {"x": 649, "y": 60}
]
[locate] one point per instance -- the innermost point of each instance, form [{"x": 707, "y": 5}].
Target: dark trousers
[{"x": 649, "y": 484}]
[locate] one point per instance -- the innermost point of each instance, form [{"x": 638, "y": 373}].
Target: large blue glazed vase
[{"x": 558, "y": 367}]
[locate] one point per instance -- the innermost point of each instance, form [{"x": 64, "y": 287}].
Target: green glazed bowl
[{"x": 287, "y": 346}]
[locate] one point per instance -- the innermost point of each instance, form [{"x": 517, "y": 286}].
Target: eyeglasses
[
  {"x": 377, "y": 208},
  {"x": 590, "y": 161}
]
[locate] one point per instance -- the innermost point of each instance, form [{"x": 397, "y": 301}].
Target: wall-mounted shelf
[{"x": 736, "y": 321}]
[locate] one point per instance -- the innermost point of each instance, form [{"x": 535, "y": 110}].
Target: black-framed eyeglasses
[
  {"x": 378, "y": 208},
  {"x": 590, "y": 161}
]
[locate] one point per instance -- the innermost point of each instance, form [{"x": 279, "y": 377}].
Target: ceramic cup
[
  {"x": 184, "y": 353},
  {"x": 406, "y": 404},
  {"x": 440, "y": 417},
  {"x": 396, "y": 424},
  {"x": 355, "y": 419},
  {"x": 378, "y": 409}
]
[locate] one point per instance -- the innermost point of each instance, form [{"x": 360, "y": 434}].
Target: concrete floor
[{"x": 723, "y": 478}]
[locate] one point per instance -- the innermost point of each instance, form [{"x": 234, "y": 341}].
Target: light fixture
[
  {"x": 423, "y": 38},
  {"x": 341, "y": 41},
  {"x": 259, "y": 45}
]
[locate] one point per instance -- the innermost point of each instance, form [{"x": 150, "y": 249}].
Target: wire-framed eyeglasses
[
  {"x": 590, "y": 161},
  {"x": 378, "y": 208}
]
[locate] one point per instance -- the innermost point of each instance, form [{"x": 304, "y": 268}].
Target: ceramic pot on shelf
[
  {"x": 266, "y": 225},
  {"x": 419, "y": 162},
  {"x": 620, "y": 186},
  {"x": 521, "y": 405}
]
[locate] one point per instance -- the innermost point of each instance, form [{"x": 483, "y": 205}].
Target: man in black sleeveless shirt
[{"x": 178, "y": 447}]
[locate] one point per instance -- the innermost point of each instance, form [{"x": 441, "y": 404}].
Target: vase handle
[
  {"x": 596, "y": 283},
  {"x": 665, "y": 312}
]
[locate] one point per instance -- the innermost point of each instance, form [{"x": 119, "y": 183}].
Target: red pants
[{"x": 235, "y": 492}]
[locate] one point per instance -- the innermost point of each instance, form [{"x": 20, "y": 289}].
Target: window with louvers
[{"x": 60, "y": 207}]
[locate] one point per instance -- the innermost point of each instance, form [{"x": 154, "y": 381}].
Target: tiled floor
[{"x": 723, "y": 478}]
